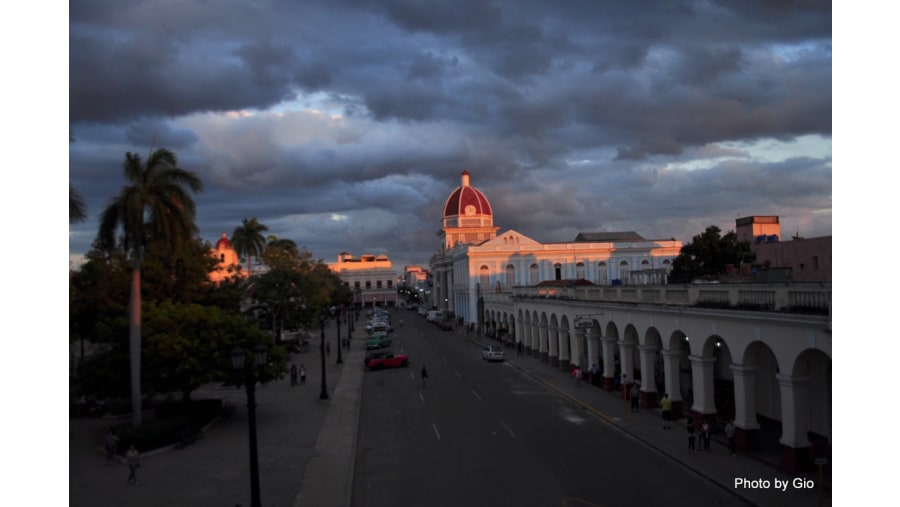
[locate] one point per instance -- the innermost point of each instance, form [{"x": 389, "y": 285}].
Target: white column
[
  {"x": 671, "y": 362},
  {"x": 702, "y": 369},
  {"x": 626, "y": 355},
  {"x": 744, "y": 396},
  {"x": 794, "y": 407},
  {"x": 609, "y": 357},
  {"x": 648, "y": 376}
]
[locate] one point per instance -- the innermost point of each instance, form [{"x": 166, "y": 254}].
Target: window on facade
[
  {"x": 534, "y": 274},
  {"x": 557, "y": 271},
  {"x": 484, "y": 276},
  {"x": 667, "y": 265},
  {"x": 645, "y": 264},
  {"x": 815, "y": 260},
  {"x": 368, "y": 284},
  {"x": 378, "y": 284},
  {"x": 579, "y": 271},
  {"x": 222, "y": 259},
  {"x": 623, "y": 271},
  {"x": 480, "y": 237},
  {"x": 462, "y": 238},
  {"x": 510, "y": 275},
  {"x": 390, "y": 283},
  {"x": 602, "y": 274},
  {"x": 356, "y": 284}
]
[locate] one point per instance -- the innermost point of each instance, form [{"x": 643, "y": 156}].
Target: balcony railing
[{"x": 792, "y": 297}]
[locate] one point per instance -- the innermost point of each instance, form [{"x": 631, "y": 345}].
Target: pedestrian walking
[
  {"x": 111, "y": 442},
  {"x": 302, "y": 374},
  {"x": 705, "y": 435},
  {"x": 424, "y": 376},
  {"x": 691, "y": 435},
  {"x": 293, "y": 375},
  {"x": 666, "y": 405},
  {"x": 519, "y": 349},
  {"x": 635, "y": 397},
  {"x": 134, "y": 462},
  {"x": 729, "y": 434},
  {"x": 328, "y": 349}
]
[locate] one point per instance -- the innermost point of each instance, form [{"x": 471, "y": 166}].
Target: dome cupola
[{"x": 467, "y": 202}]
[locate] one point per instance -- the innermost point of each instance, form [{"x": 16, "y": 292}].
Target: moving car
[
  {"x": 492, "y": 353},
  {"x": 376, "y": 354},
  {"x": 388, "y": 361}
]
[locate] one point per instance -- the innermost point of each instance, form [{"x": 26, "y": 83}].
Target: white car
[{"x": 492, "y": 353}]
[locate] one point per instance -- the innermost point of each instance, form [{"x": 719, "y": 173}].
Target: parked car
[
  {"x": 388, "y": 361},
  {"x": 492, "y": 353},
  {"x": 380, "y": 342}
]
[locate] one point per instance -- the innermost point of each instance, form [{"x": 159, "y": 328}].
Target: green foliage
[
  {"x": 708, "y": 253},
  {"x": 188, "y": 345},
  {"x": 177, "y": 272},
  {"x": 248, "y": 241},
  {"x": 77, "y": 207}
]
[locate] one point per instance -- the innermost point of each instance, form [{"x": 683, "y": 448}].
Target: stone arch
[
  {"x": 553, "y": 339},
  {"x": 652, "y": 379},
  {"x": 814, "y": 414},
  {"x": 566, "y": 349},
  {"x": 628, "y": 354}
]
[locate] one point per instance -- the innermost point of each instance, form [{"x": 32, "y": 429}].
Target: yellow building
[{"x": 229, "y": 264}]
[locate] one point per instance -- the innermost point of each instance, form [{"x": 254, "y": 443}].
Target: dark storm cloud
[{"x": 349, "y": 122}]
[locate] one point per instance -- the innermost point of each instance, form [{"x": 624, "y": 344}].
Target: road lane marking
[
  {"x": 421, "y": 397},
  {"x": 436, "y": 432},
  {"x": 458, "y": 374},
  {"x": 476, "y": 394},
  {"x": 507, "y": 429}
]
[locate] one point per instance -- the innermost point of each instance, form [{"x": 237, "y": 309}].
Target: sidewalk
[
  {"x": 646, "y": 426},
  {"x": 306, "y": 446}
]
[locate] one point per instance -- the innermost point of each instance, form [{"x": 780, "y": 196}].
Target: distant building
[
  {"x": 372, "y": 278},
  {"x": 474, "y": 259},
  {"x": 797, "y": 260},
  {"x": 415, "y": 276},
  {"x": 229, "y": 261}
]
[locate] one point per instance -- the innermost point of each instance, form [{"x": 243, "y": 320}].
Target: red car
[{"x": 388, "y": 361}]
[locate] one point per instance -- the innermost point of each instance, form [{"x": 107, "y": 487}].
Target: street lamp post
[
  {"x": 337, "y": 319},
  {"x": 237, "y": 362},
  {"x": 323, "y": 394}
]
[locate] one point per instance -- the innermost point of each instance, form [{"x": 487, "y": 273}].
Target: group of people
[{"x": 696, "y": 426}]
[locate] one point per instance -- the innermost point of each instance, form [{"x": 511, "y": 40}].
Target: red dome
[
  {"x": 223, "y": 242},
  {"x": 465, "y": 196}
]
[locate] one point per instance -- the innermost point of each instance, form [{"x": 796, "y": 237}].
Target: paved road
[{"x": 487, "y": 434}]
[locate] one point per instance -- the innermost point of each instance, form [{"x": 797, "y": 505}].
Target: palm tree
[
  {"x": 154, "y": 205},
  {"x": 248, "y": 241},
  {"x": 77, "y": 208}
]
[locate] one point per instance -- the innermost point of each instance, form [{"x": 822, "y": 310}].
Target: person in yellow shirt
[{"x": 666, "y": 405}]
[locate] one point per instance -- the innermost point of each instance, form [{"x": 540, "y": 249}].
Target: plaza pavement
[{"x": 307, "y": 446}]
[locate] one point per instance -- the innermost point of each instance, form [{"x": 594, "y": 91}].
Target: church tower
[{"x": 468, "y": 218}]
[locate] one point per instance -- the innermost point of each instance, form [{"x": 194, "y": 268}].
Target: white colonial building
[
  {"x": 474, "y": 259},
  {"x": 758, "y": 354}
]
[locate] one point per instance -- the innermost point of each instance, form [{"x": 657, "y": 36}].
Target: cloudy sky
[{"x": 344, "y": 125}]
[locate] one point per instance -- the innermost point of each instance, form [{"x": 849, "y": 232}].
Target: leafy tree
[
  {"x": 178, "y": 272},
  {"x": 248, "y": 241},
  {"x": 188, "y": 345},
  {"x": 155, "y": 205},
  {"x": 77, "y": 207},
  {"x": 708, "y": 253},
  {"x": 283, "y": 254}
]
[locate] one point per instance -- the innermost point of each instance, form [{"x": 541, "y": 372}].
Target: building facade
[
  {"x": 229, "y": 261},
  {"x": 474, "y": 259},
  {"x": 800, "y": 259},
  {"x": 372, "y": 278}
]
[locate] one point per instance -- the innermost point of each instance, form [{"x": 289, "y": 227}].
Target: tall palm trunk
[
  {"x": 249, "y": 266},
  {"x": 134, "y": 338}
]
